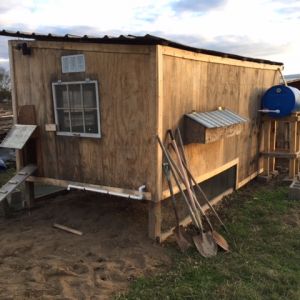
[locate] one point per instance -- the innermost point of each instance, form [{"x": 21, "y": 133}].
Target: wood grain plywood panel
[{"x": 123, "y": 156}]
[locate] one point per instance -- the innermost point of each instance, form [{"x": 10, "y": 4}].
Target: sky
[{"x": 267, "y": 29}]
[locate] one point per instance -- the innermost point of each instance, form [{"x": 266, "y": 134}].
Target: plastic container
[{"x": 286, "y": 99}]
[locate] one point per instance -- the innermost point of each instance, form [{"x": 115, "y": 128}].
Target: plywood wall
[
  {"x": 144, "y": 90},
  {"x": 191, "y": 82},
  {"x": 125, "y": 155}
]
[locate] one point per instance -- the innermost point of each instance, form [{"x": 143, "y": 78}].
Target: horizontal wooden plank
[
  {"x": 169, "y": 51},
  {"x": 66, "y": 183},
  {"x": 295, "y": 117},
  {"x": 17, "y": 180},
  {"x": 203, "y": 177},
  {"x": 249, "y": 178},
  {"x": 281, "y": 154},
  {"x": 87, "y": 47}
]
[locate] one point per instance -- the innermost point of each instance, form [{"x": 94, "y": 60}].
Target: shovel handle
[
  {"x": 184, "y": 179},
  {"x": 166, "y": 169},
  {"x": 193, "y": 180},
  {"x": 169, "y": 159}
]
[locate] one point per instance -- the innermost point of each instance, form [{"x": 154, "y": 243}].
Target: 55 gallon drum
[{"x": 286, "y": 99}]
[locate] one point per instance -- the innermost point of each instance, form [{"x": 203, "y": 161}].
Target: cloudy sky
[{"x": 266, "y": 29}]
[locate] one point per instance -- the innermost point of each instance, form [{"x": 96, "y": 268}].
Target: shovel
[
  {"x": 182, "y": 242},
  {"x": 203, "y": 240},
  {"x": 219, "y": 239}
]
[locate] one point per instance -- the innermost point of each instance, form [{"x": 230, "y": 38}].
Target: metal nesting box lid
[
  {"x": 217, "y": 118},
  {"x": 18, "y": 136}
]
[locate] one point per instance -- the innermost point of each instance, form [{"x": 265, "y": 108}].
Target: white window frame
[{"x": 70, "y": 133}]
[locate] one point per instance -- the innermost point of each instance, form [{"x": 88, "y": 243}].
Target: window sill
[{"x": 77, "y": 134}]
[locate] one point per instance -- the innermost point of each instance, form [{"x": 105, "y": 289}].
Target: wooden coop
[{"x": 99, "y": 103}]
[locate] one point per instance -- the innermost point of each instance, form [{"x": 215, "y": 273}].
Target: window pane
[
  {"x": 61, "y": 96},
  {"x": 63, "y": 120},
  {"x": 89, "y": 95},
  {"x": 77, "y": 121},
  {"x": 91, "y": 121},
  {"x": 75, "y": 96}
]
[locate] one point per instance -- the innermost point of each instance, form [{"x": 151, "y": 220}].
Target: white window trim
[{"x": 76, "y": 134}]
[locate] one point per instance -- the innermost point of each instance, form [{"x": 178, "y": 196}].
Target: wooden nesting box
[
  {"x": 208, "y": 127},
  {"x": 100, "y": 103}
]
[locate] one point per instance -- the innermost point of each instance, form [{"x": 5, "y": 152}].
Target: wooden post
[
  {"x": 155, "y": 220},
  {"x": 272, "y": 144},
  {"x": 29, "y": 194},
  {"x": 267, "y": 134},
  {"x": 293, "y": 148},
  {"x": 154, "y": 225},
  {"x": 298, "y": 146}
]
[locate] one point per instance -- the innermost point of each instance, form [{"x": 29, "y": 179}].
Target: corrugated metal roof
[
  {"x": 217, "y": 118},
  {"x": 128, "y": 39}
]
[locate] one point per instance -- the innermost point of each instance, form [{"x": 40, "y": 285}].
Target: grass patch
[{"x": 263, "y": 265}]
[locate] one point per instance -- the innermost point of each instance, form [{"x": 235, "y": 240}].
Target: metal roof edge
[{"x": 147, "y": 39}]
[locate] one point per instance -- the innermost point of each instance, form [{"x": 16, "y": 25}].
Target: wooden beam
[
  {"x": 14, "y": 97},
  {"x": 292, "y": 118},
  {"x": 88, "y": 47},
  {"x": 272, "y": 144},
  {"x": 293, "y": 148},
  {"x": 170, "y": 51},
  {"x": 29, "y": 194},
  {"x": 154, "y": 219},
  {"x": 249, "y": 178},
  {"x": 281, "y": 154},
  {"x": 66, "y": 183},
  {"x": 267, "y": 134},
  {"x": 199, "y": 179}
]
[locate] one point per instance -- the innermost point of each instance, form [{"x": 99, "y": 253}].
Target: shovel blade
[
  {"x": 220, "y": 241},
  {"x": 205, "y": 244},
  {"x": 181, "y": 240}
]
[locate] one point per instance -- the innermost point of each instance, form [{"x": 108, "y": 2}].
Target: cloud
[
  {"x": 8, "y": 5},
  {"x": 233, "y": 44},
  {"x": 197, "y": 6}
]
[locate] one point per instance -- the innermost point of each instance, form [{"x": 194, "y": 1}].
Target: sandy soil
[{"x": 38, "y": 261}]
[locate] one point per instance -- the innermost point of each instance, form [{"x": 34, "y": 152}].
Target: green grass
[
  {"x": 6, "y": 175},
  {"x": 264, "y": 264}
]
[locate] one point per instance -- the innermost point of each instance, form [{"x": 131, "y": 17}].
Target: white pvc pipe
[
  {"x": 275, "y": 111},
  {"x": 101, "y": 191}
]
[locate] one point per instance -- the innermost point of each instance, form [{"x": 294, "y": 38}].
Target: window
[{"x": 76, "y": 107}]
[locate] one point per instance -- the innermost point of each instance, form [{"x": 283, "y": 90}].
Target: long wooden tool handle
[
  {"x": 169, "y": 159},
  {"x": 168, "y": 178},
  {"x": 185, "y": 180},
  {"x": 193, "y": 180}
]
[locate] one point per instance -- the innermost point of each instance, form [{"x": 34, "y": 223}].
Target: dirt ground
[{"x": 38, "y": 261}]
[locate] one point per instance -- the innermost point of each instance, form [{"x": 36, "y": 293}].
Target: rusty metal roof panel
[
  {"x": 147, "y": 39},
  {"x": 217, "y": 118}
]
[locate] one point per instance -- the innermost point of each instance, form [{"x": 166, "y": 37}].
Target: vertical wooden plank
[
  {"x": 14, "y": 98},
  {"x": 298, "y": 146},
  {"x": 29, "y": 194},
  {"x": 155, "y": 207},
  {"x": 272, "y": 144},
  {"x": 267, "y": 134},
  {"x": 293, "y": 148}
]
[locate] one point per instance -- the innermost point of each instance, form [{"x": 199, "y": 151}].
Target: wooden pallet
[{"x": 270, "y": 153}]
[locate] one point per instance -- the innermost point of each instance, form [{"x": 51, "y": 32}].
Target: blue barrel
[{"x": 286, "y": 99}]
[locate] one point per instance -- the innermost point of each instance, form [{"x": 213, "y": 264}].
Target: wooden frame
[
  {"x": 270, "y": 153},
  {"x": 70, "y": 133}
]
